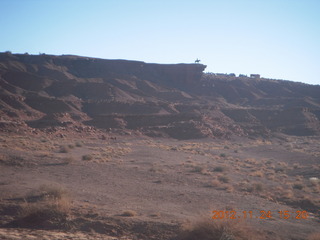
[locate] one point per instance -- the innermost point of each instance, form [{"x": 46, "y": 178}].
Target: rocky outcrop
[{"x": 173, "y": 100}]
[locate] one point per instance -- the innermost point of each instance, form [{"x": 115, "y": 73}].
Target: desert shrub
[
  {"x": 68, "y": 160},
  {"x": 222, "y": 155},
  {"x": 251, "y": 161},
  {"x": 197, "y": 169},
  {"x": 50, "y": 192},
  {"x": 46, "y": 208},
  {"x": 87, "y": 157},
  {"x": 78, "y": 144},
  {"x": 270, "y": 176},
  {"x": 257, "y": 174},
  {"x": 218, "y": 169},
  {"x": 64, "y": 149},
  {"x": 129, "y": 213},
  {"x": 223, "y": 179},
  {"x": 12, "y": 160},
  {"x": 44, "y": 217},
  {"x": 296, "y": 165},
  {"x": 286, "y": 194},
  {"x": 155, "y": 169},
  {"x": 279, "y": 169},
  {"x": 248, "y": 187},
  {"x": 213, "y": 184},
  {"x": 298, "y": 186},
  {"x": 268, "y": 161},
  {"x": 258, "y": 187},
  {"x": 217, "y": 230}
]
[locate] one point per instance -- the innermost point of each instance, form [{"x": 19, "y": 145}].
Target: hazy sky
[{"x": 276, "y": 38}]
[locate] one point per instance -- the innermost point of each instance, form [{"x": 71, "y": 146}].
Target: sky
[{"x": 278, "y": 39}]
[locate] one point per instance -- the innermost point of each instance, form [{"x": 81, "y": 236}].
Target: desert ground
[
  {"x": 109, "y": 186},
  {"x": 96, "y": 148}
]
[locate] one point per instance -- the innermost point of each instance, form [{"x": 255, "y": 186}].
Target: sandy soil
[{"x": 145, "y": 188}]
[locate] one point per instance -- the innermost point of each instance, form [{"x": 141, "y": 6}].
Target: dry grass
[
  {"x": 249, "y": 189},
  {"x": 45, "y": 208},
  {"x": 44, "y": 215},
  {"x": 68, "y": 160},
  {"x": 194, "y": 167},
  {"x": 257, "y": 174},
  {"x": 229, "y": 188},
  {"x": 270, "y": 176},
  {"x": 61, "y": 206},
  {"x": 284, "y": 193},
  {"x": 223, "y": 179},
  {"x": 209, "y": 229},
  {"x": 105, "y": 154},
  {"x": 251, "y": 161},
  {"x": 49, "y": 192},
  {"x": 246, "y": 186},
  {"x": 283, "y": 164},
  {"x": 129, "y": 213},
  {"x": 213, "y": 184}
]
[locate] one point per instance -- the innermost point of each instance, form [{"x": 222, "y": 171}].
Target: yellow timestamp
[{"x": 263, "y": 214}]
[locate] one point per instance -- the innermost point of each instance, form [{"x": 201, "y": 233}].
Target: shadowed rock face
[{"x": 175, "y": 100}]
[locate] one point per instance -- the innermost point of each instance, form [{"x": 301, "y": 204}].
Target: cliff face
[
  {"x": 178, "y": 100},
  {"x": 279, "y": 106},
  {"x": 60, "y": 67}
]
